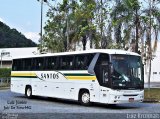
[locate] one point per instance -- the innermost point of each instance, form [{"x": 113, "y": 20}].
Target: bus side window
[
  {"x": 37, "y": 64},
  {"x": 27, "y": 65},
  {"x": 40, "y": 63},
  {"x": 66, "y": 62},
  {"x": 89, "y": 59},
  {"x": 22, "y": 65},
  {"x": 19, "y": 65},
  {"x": 33, "y": 65},
  {"x": 51, "y": 63},
  {"x": 15, "y": 65},
  {"x": 79, "y": 62},
  {"x": 70, "y": 61},
  {"x": 82, "y": 61},
  {"x": 62, "y": 63}
]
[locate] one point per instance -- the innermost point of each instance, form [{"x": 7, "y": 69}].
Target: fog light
[{"x": 115, "y": 97}]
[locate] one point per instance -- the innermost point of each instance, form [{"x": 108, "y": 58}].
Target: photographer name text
[{"x": 16, "y": 104}]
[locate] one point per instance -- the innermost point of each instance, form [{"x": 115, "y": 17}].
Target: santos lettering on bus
[{"x": 49, "y": 75}]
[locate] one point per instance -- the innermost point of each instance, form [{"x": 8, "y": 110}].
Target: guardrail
[{"x": 5, "y": 81}]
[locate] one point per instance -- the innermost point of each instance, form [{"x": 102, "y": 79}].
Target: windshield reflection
[{"x": 127, "y": 72}]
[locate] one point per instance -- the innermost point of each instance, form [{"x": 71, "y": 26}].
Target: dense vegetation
[
  {"x": 5, "y": 72},
  {"x": 152, "y": 95},
  {"x": 122, "y": 24},
  {"x": 4, "y": 77},
  {"x": 11, "y": 38}
]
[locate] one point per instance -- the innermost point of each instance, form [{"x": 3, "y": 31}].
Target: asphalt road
[{"x": 17, "y": 106}]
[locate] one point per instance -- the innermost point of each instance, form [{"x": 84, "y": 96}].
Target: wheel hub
[
  {"x": 29, "y": 92},
  {"x": 85, "y": 98}
]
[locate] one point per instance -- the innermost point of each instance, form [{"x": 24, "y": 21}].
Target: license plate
[{"x": 131, "y": 99}]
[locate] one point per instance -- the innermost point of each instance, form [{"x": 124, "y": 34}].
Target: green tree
[
  {"x": 54, "y": 37},
  {"x": 125, "y": 21},
  {"x": 84, "y": 16},
  {"x": 60, "y": 28},
  {"x": 102, "y": 21},
  {"x": 11, "y": 38},
  {"x": 151, "y": 28}
]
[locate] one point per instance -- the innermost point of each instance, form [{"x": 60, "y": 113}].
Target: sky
[{"x": 23, "y": 15}]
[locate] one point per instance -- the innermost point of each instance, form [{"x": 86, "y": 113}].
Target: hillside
[{"x": 11, "y": 38}]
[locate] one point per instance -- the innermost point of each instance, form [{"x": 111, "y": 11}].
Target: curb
[
  {"x": 4, "y": 88},
  {"x": 151, "y": 101}
]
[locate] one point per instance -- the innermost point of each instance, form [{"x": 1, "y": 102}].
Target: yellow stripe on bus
[
  {"x": 23, "y": 74},
  {"x": 67, "y": 77},
  {"x": 81, "y": 77}
]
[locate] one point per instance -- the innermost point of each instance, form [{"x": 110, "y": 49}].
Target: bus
[{"x": 101, "y": 75}]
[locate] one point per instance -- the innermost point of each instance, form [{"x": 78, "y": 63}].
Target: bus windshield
[{"x": 127, "y": 72}]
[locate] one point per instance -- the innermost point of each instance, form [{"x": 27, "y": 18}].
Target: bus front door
[{"x": 104, "y": 92}]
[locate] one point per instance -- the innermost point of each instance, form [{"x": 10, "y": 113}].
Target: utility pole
[
  {"x": 1, "y": 59},
  {"x": 41, "y": 29},
  {"x": 67, "y": 33},
  {"x": 2, "y": 54}
]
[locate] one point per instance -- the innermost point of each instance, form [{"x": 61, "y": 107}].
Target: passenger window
[
  {"x": 51, "y": 63},
  {"x": 38, "y": 64},
  {"x": 83, "y": 61},
  {"x": 27, "y": 64},
  {"x": 66, "y": 62},
  {"x": 21, "y": 65},
  {"x": 16, "y": 65},
  {"x": 103, "y": 59}
]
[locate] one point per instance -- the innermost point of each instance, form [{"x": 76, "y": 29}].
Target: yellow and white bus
[{"x": 103, "y": 76}]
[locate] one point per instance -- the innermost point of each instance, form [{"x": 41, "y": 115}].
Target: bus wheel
[
  {"x": 84, "y": 98},
  {"x": 28, "y": 92}
]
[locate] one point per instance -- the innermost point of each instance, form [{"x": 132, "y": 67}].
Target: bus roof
[{"x": 107, "y": 51}]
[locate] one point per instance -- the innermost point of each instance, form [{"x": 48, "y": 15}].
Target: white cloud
[
  {"x": 2, "y": 20},
  {"x": 33, "y": 36}
]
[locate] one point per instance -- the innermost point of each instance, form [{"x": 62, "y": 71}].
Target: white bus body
[{"x": 93, "y": 83}]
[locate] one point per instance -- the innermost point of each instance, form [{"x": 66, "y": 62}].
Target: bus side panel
[
  {"x": 19, "y": 80},
  {"x": 18, "y": 85},
  {"x": 65, "y": 90},
  {"x": 37, "y": 87},
  {"x": 94, "y": 92},
  {"x": 92, "y": 87}
]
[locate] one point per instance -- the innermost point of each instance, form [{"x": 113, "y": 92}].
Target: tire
[
  {"x": 84, "y": 98},
  {"x": 28, "y": 92}
]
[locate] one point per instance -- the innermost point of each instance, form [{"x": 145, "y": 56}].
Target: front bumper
[{"x": 126, "y": 98}]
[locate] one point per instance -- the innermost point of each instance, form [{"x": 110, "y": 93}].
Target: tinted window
[
  {"x": 101, "y": 69},
  {"x": 38, "y": 63},
  {"x": 103, "y": 59},
  {"x": 76, "y": 62},
  {"x": 16, "y": 65},
  {"x": 51, "y": 63},
  {"x": 26, "y": 64},
  {"x": 66, "y": 62},
  {"x": 82, "y": 61}
]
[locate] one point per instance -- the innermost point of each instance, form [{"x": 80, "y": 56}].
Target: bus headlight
[
  {"x": 141, "y": 96},
  {"x": 116, "y": 97}
]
